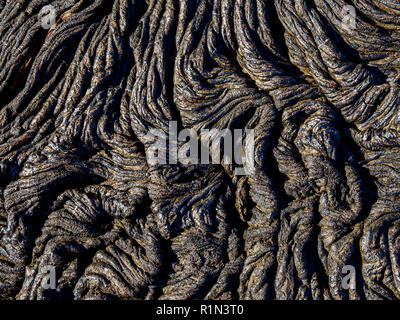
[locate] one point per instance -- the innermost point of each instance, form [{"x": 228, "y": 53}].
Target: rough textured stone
[{"x": 77, "y": 192}]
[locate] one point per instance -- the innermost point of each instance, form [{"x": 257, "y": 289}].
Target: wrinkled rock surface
[{"x": 78, "y": 194}]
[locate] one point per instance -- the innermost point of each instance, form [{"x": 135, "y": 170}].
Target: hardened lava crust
[{"x": 317, "y": 82}]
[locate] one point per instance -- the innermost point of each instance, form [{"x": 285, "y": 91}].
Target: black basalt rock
[{"x": 316, "y": 81}]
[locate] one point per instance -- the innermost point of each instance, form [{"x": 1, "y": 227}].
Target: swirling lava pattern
[{"x": 78, "y": 194}]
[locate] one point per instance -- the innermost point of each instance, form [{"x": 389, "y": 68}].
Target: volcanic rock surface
[{"x": 77, "y": 192}]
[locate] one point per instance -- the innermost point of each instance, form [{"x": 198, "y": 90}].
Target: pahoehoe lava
[{"x": 77, "y": 192}]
